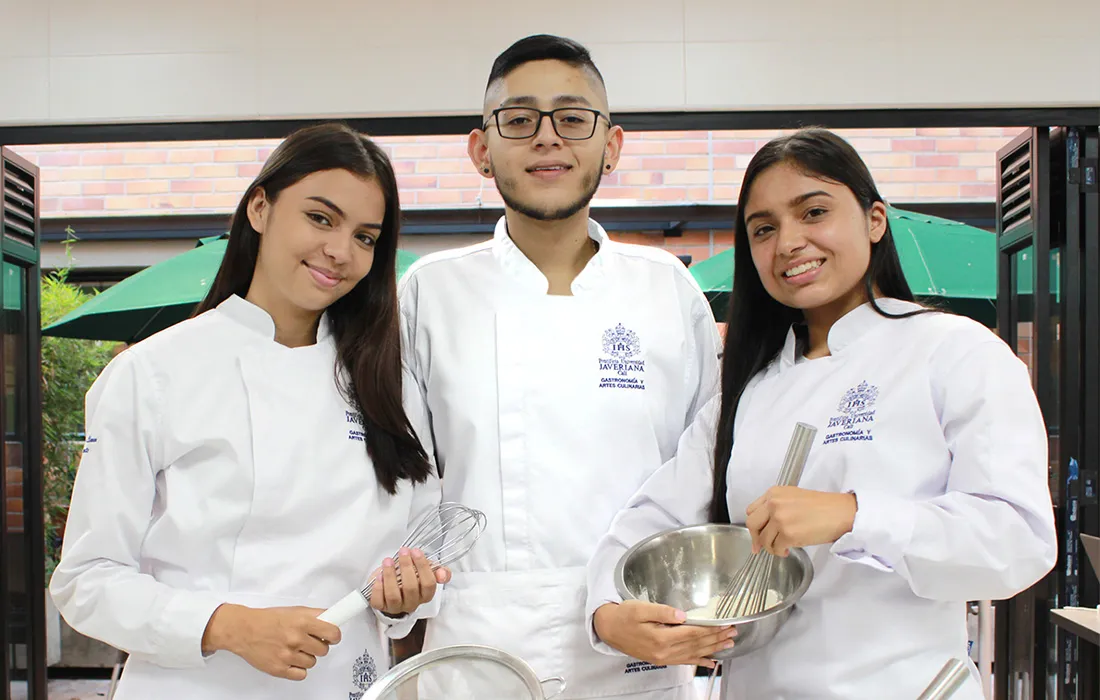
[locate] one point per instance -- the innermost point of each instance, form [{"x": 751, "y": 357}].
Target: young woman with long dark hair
[
  {"x": 926, "y": 485},
  {"x": 248, "y": 467}
]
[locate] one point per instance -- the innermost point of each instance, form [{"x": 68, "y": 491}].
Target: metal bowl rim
[
  {"x": 408, "y": 668},
  {"x": 796, "y": 552}
]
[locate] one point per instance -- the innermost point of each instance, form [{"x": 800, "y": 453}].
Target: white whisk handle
[{"x": 348, "y": 607}]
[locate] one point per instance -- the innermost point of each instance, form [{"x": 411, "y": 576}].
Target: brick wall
[{"x": 910, "y": 165}]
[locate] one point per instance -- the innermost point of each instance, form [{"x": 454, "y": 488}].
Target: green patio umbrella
[
  {"x": 945, "y": 262},
  {"x": 155, "y": 298}
]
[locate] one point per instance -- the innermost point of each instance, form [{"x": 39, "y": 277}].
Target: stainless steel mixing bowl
[{"x": 686, "y": 567}]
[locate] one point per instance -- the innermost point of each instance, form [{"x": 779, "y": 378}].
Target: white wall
[{"x": 68, "y": 61}]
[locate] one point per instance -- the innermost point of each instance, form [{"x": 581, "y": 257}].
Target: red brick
[
  {"x": 146, "y": 157},
  {"x": 621, "y": 192},
  {"x": 82, "y": 204},
  {"x": 686, "y": 177},
  {"x": 438, "y": 197},
  {"x": 667, "y": 135},
  {"x": 700, "y": 163},
  {"x": 698, "y": 194},
  {"x": 956, "y": 145},
  {"x": 103, "y": 188},
  {"x": 416, "y": 182},
  {"x": 170, "y": 172},
  {"x": 956, "y": 175},
  {"x": 147, "y": 187},
  {"x": 941, "y": 131},
  {"x": 191, "y": 155},
  {"x": 53, "y": 160},
  {"x": 193, "y": 185},
  {"x": 889, "y": 160},
  {"x": 726, "y": 194},
  {"x": 678, "y": 163},
  {"x": 172, "y": 201},
  {"x": 724, "y": 162},
  {"x": 897, "y": 191},
  {"x": 692, "y": 238},
  {"x": 217, "y": 201},
  {"x": 471, "y": 180},
  {"x": 102, "y": 157},
  {"x": 629, "y": 163},
  {"x": 50, "y": 204},
  {"x": 125, "y": 172},
  {"x": 15, "y": 522},
  {"x": 977, "y": 160},
  {"x": 913, "y": 145},
  {"x": 264, "y": 153},
  {"x": 215, "y": 171},
  {"x": 75, "y": 174},
  {"x": 667, "y": 194},
  {"x": 872, "y": 145},
  {"x": 728, "y": 177},
  {"x": 443, "y": 166},
  {"x": 738, "y": 146},
  {"x": 453, "y": 150},
  {"x": 723, "y": 239},
  {"x": 417, "y": 152},
  {"x": 938, "y": 161},
  {"x": 643, "y": 148},
  {"x": 249, "y": 170},
  {"x": 235, "y": 155},
  {"x": 979, "y": 191},
  {"x": 135, "y": 203},
  {"x": 60, "y": 189},
  {"x": 938, "y": 191},
  {"x": 641, "y": 178},
  {"x": 633, "y": 238},
  {"x": 687, "y": 147},
  {"x": 237, "y": 185},
  {"x": 472, "y": 196}
]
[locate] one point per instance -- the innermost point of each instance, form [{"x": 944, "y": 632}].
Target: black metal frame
[
  {"x": 631, "y": 121},
  {"x": 26, "y": 257}
]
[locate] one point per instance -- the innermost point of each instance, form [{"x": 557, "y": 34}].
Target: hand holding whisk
[
  {"x": 747, "y": 592},
  {"x": 445, "y": 534}
]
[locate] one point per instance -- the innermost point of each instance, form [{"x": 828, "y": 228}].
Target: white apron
[{"x": 565, "y": 367}]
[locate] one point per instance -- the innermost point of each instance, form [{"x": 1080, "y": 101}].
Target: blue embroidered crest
[
  {"x": 622, "y": 347},
  {"x": 858, "y": 399},
  {"x": 363, "y": 675},
  {"x": 856, "y": 407}
]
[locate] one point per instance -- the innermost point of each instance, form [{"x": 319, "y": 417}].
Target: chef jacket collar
[
  {"x": 254, "y": 318},
  {"x": 520, "y": 268},
  {"x": 848, "y": 329}
]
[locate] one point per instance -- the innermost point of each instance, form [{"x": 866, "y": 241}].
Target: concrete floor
[{"x": 66, "y": 690}]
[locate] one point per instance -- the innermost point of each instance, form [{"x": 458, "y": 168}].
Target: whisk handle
[{"x": 345, "y": 609}]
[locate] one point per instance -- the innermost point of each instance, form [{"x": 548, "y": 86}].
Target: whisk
[
  {"x": 445, "y": 534},
  {"x": 747, "y": 593}
]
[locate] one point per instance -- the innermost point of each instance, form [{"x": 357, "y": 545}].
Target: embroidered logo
[
  {"x": 363, "y": 675},
  {"x": 642, "y": 667},
  {"x": 622, "y": 347},
  {"x": 88, "y": 444},
  {"x": 856, "y": 408},
  {"x": 356, "y": 421}
]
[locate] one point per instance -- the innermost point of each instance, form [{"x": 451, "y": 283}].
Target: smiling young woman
[
  {"x": 926, "y": 486},
  {"x": 246, "y": 468}
]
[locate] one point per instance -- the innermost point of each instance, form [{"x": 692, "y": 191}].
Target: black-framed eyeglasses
[{"x": 570, "y": 123}]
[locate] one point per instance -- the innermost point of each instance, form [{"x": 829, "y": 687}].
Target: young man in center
[{"x": 560, "y": 369}]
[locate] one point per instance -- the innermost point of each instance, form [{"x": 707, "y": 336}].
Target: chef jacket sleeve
[
  {"x": 991, "y": 534},
  {"x": 426, "y": 498},
  {"x": 98, "y": 586},
  {"x": 677, "y": 494},
  {"x": 703, "y": 368}
]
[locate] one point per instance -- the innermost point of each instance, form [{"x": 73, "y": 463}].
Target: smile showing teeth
[
  {"x": 804, "y": 267},
  {"x": 549, "y": 168}
]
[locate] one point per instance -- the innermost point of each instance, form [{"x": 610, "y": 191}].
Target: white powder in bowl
[{"x": 710, "y": 610}]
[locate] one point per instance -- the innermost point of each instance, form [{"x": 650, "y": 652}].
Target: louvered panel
[
  {"x": 18, "y": 216},
  {"x": 1016, "y": 188}
]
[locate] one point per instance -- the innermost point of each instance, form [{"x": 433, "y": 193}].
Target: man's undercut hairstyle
[{"x": 542, "y": 47}]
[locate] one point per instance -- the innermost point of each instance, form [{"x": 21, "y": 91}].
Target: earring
[
  {"x": 485, "y": 170},
  {"x": 608, "y": 166}
]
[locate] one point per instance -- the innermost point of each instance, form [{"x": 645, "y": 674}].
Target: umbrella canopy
[
  {"x": 155, "y": 298},
  {"x": 945, "y": 262}
]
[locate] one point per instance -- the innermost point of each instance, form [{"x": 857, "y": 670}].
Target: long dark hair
[
  {"x": 758, "y": 324},
  {"x": 365, "y": 322}
]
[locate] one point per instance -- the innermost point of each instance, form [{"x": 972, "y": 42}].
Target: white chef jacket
[
  {"x": 932, "y": 422},
  {"x": 547, "y": 413},
  {"x": 224, "y": 467}
]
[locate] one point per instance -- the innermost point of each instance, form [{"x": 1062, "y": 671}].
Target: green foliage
[{"x": 69, "y": 366}]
